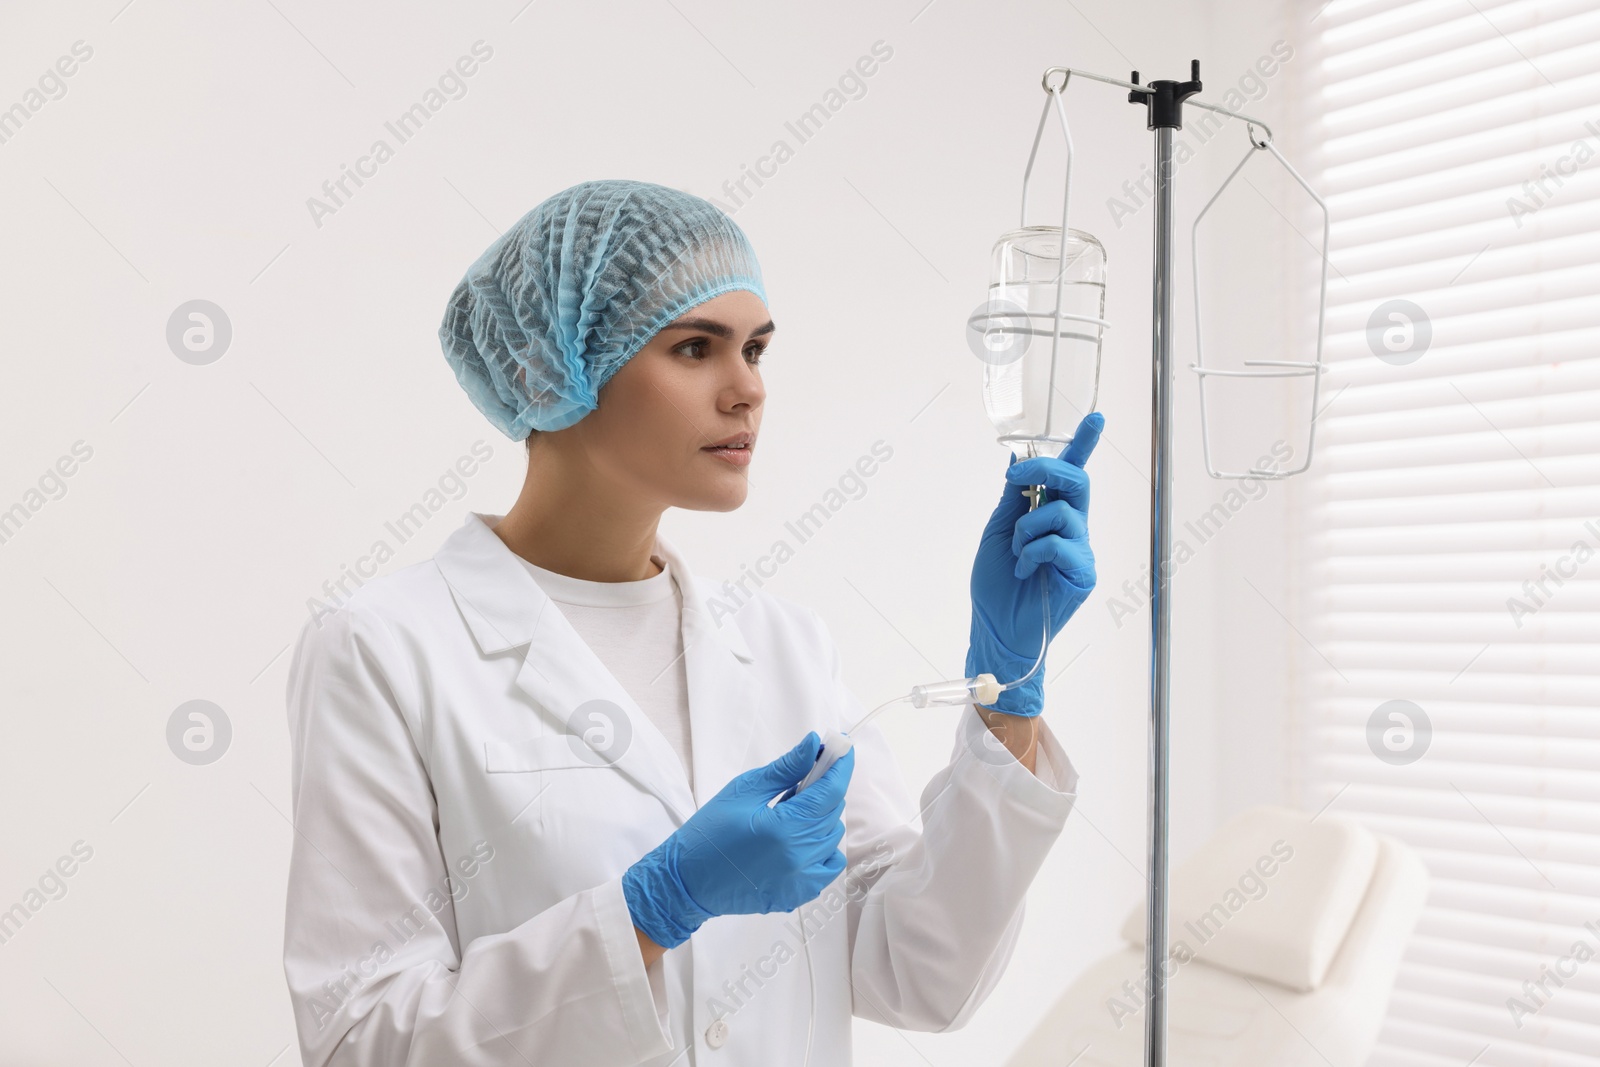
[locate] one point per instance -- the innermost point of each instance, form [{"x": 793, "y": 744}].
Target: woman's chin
[{"x": 726, "y": 494}]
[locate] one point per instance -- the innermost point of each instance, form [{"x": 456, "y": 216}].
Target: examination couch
[{"x": 1292, "y": 928}]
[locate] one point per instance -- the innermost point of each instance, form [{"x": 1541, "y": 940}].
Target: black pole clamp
[{"x": 1164, "y": 101}]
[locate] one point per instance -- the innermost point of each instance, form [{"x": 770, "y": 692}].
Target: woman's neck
[{"x": 571, "y": 525}]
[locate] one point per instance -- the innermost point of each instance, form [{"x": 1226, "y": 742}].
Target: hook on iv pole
[{"x": 1134, "y": 86}]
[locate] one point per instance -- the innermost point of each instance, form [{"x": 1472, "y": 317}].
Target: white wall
[{"x": 218, "y": 499}]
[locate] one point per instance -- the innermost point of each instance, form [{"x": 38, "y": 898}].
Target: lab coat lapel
[
  {"x": 505, "y": 608},
  {"x": 722, "y": 683}
]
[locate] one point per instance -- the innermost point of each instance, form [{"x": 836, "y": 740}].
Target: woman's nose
[{"x": 746, "y": 385}]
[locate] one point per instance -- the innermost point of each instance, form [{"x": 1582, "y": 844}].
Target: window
[{"x": 1451, "y": 547}]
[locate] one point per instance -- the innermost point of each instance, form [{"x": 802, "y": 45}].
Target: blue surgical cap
[{"x": 559, "y": 302}]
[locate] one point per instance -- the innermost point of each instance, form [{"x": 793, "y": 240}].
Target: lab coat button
[{"x": 717, "y": 1033}]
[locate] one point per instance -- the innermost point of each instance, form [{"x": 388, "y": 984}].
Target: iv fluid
[
  {"x": 1032, "y": 416},
  {"x": 1008, "y": 387}
]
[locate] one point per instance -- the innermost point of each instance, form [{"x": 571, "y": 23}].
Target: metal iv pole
[{"x": 1163, "y": 101}]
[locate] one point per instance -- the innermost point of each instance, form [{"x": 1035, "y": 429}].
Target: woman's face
[{"x": 696, "y": 383}]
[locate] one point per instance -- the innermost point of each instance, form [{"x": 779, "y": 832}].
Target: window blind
[{"x": 1450, "y": 524}]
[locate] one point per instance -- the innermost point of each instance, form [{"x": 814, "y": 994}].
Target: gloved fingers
[
  {"x": 1063, "y": 475},
  {"x": 821, "y": 871},
  {"x": 1056, "y": 516},
  {"x": 806, "y": 821},
  {"x": 1084, "y": 438},
  {"x": 1012, "y": 501},
  {"x": 810, "y": 808},
  {"x": 826, "y": 794},
  {"x": 1062, "y": 480},
  {"x": 1073, "y": 560},
  {"x": 784, "y": 771},
  {"x": 811, "y": 841},
  {"x": 816, "y": 839},
  {"x": 807, "y": 827}
]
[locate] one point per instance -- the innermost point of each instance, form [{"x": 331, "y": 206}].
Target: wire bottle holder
[
  {"x": 1023, "y": 392},
  {"x": 1258, "y": 368}
]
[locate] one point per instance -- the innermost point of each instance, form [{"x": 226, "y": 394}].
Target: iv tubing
[{"x": 961, "y": 690}]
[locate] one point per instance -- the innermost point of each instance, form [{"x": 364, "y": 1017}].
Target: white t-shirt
[{"x": 636, "y": 630}]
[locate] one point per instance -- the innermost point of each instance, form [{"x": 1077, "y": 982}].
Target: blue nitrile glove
[
  {"x": 1019, "y": 551},
  {"x": 736, "y": 856}
]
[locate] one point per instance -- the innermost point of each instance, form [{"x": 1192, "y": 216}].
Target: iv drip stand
[
  {"x": 1164, "y": 108},
  {"x": 1163, "y": 102}
]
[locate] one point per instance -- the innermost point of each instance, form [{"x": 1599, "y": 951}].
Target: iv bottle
[{"x": 1042, "y": 373}]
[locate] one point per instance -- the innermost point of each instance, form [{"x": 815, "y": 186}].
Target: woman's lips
[{"x": 739, "y": 457}]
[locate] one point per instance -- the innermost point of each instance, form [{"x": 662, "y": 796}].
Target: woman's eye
[{"x": 695, "y": 349}]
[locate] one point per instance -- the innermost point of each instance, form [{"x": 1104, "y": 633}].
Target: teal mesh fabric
[{"x": 557, "y": 304}]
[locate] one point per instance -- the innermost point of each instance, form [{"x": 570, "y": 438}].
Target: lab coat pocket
[
  {"x": 571, "y": 819},
  {"x": 547, "y": 752}
]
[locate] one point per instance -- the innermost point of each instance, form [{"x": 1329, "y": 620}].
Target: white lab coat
[{"x": 455, "y": 882}]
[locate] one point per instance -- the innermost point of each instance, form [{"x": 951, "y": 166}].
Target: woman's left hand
[{"x": 1020, "y": 552}]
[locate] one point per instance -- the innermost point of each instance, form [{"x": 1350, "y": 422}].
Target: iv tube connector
[{"x": 984, "y": 689}]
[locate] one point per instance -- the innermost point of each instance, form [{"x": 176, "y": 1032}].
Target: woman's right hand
[{"x": 737, "y": 856}]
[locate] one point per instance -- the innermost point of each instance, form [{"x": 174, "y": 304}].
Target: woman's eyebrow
[{"x": 715, "y": 328}]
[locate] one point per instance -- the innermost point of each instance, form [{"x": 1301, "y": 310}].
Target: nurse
[{"x": 533, "y": 777}]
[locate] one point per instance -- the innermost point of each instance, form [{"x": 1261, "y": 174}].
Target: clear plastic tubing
[{"x": 980, "y": 690}]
